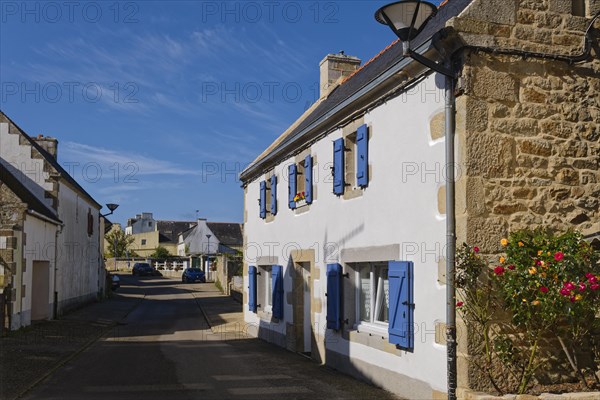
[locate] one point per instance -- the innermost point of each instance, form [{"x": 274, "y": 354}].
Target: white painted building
[
  {"x": 77, "y": 276},
  {"x": 345, "y": 225},
  {"x": 142, "y": 223}
]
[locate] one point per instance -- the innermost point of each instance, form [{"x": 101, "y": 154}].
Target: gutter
[{"x": 45, "y": 218}]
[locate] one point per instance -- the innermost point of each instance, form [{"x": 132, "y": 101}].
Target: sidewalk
[
  {"x": 223, "y": 314},
  {"x": 33, "y": 353}
]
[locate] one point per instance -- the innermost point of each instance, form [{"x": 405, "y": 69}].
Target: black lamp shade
[
  {"x": 112, "y": 207},
  {"x": 406, "y": 18}
]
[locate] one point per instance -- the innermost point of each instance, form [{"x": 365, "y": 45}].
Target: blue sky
[{"x": 158, "y": 105}]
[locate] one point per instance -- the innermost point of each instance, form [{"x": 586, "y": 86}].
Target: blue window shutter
[
  {"x": 292, "y": 169},
  {"x": 277, "y": 277},
  {"x": 334, "y": 296},
  {"x": 338, "y": 166},
  {"x": 263, "y": 199},
  {"x": 362, "y": 156},
  {"x": 252, "y": 289},
  {"x": 274, "y": 195},
  {"x": 401, "y": 327},
  {"x": 308, "y": 178}
]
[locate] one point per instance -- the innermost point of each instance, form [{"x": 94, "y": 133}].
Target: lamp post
[
  {"x": 208, "y": 257},
  {"x": 112, "y": 207},
  {"x": 407, "y": 19}
]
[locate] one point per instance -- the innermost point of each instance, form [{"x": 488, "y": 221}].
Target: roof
[
  {"x": 387, "y": 58},
  {"x": 23, "y": 193},
  {"x": 228, "y": 234},
  {"x": 169, "y": 230},
  {"x": 51, "y": 160}
]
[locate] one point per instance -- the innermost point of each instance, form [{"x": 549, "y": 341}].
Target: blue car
[{"x": 193, "y": 275}]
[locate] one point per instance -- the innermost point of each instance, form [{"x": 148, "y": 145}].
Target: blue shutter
[
  {"x": 277, "y": 277},
  {"x": 338, "y": 166},
  {"x": 263, "y": 199},
  {"x": 252, "y": 289},
  {"x": 292, "y": 185},
  {"x": 274, "y": 195},
  {"x": 308, "y": 178},
  {"x": 401, "y": 313},
  {"x": 362, "y": 156},
  {"x": 334, "y": 296}
]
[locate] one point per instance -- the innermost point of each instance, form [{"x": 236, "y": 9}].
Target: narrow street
[{"x": 165, "y": 349}]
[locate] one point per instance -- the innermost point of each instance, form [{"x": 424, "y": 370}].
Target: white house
[
  {"x": 346, "y": 212},
  {"x": 77, "y": 276}
]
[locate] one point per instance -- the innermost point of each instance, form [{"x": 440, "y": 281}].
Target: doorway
[
  {"x": 40, "y": 290},
  {"x": 302, "y": 308}
]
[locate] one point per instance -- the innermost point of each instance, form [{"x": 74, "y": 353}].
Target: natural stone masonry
[{"x": 528, "y": 130}]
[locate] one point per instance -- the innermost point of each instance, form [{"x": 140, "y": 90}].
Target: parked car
[
  {"x": 115, "y": 282},
  {"x": 142, "y": 269},
  {"x": 193, "y": 275}
]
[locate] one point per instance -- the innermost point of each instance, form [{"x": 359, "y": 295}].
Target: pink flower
[
  {"x": 459, "y": 304},
  {"x": 572, "y": 299},
  {"x": 476, "y": 249},
  {"x": 511, "y": 267},
  {"x": 544, "y": 289},
  {"x": 593, "y": 279},
  {"x": 581, "y": 286},
  {"x": 589, "y": 275},
  {"x": 538, "y": 262},
  {"x": 565, "y": 292},
  {"x": 569, "y": 286},
  {"x": 558, "y": 256},
  {"x": 595, "y": 286}
]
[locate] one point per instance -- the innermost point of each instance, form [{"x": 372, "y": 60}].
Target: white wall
[
  {"x": 39, "y": 246},
  {"x": 396, "y": 208},
  {"x": 79, "y": 260}
]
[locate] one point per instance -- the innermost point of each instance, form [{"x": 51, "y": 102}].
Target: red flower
[
  {"x": 595, "y": 286},
  {"x": 572, "y": 299},
  {"x": 544, "y": 289},
  {"x": 499, "y": 270},
  {"x": 565, "y": 292},
  {"x": 581, "y": 286},
  {"x": 476, "y": 249},
  {"x": 459, "y": 304},
  {"x": 569, "y": 286},
  {"x": 589, "y": 275},
  {"x": 558, "y": 256},
  {"x": 511, "y": 267},
  {"x": 538, "y": 262},
  {"x": 593, "y": 279}
]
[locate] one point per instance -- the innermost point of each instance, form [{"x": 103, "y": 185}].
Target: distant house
[
  {"x": 150, "y": 233},
  {"x": 56, "y": 251},
  {"x": 222, "y": 241},
  {"x": 346, "y": 214}
]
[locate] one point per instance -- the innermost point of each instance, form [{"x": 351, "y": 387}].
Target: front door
[{"x": 307, "y": 325}]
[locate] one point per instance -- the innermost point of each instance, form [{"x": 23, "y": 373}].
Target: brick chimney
[
  {"x": 334, "y": 68},
  {"x": 48, "y": 143}
]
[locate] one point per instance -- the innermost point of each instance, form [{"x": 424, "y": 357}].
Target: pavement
[{"x": 158, "y": 338}]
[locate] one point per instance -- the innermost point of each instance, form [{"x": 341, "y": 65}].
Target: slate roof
[
  {"x": 228, "y": 234},
  {"x": 51, "y": 160},
  {"x": 372, "y": 69},
  {"x": 169, "y": 230},
  {"x": 23, "y": 193}
]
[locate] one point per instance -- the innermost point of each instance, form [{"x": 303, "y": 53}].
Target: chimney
[
  {"x": 48, "y": 143},
  {"x": 334, "y": 68}
]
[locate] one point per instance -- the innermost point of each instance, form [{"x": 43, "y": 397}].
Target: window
[
  {"x": 351, "y": 161},
  {"x": 90, "y": 223},
  {"x": 268, "y": 197},
  {"x": 300, "y": 183},
  {"x": 373, "y": 294},
  {"x": 150, "y": 224},
  {"x": 143, "y": 242}
]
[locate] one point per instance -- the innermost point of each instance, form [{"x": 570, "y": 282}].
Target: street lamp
[
  {"x": 406, "y": 19},
  {"x": 208, "y": 256},
  {"x": 112, "y": 207}
]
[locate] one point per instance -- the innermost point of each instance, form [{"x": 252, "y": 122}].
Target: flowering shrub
[
  {"x": 300, "y": 196},
  {"x": 548, "y": 284}
]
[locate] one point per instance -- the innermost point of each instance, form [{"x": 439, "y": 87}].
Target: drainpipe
[
  {"x": 450, "y": 110},
  {"x": 55, "y": 305}
]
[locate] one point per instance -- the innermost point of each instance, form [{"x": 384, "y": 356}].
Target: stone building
[
  {"x": 56, "y": 239},
  {"x": 344, "y": 227}
]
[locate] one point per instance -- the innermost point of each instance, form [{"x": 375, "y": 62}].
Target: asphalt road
[{"x": 165, "y": 350}]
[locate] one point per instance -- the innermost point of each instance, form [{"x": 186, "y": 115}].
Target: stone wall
[{"x": 528, "y": 129}]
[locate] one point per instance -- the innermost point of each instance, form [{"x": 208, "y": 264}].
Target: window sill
[{"x": 373, "y": 329}]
